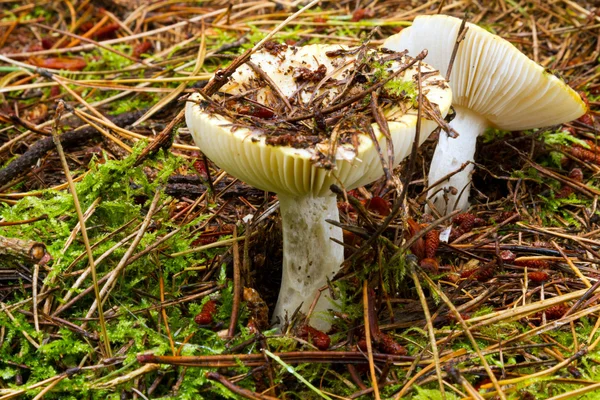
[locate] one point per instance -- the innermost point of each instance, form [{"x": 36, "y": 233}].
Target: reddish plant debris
[
  {"x": 379, "y": 206},
  {"x": 55, "y": 91},
  {"x": 47, "y": 43},
  {"x": 200, "y": 168},
  {"x": 362, "y": 13},
  {"x": 320, "y": 20},
  {"x": 306, "y": 75},
  {"x": 141, "y": 48},
  {"x": 288, "y": 139},
  {"x": 486, "y": 272},
  {"x": 389, "y": 346},
  {"x": 319, "y": 339},
  {"x": 66, "y": 63},
  {"x": 538, "y": 276},
  {"x": 384, "y": 343},
  {"x": 209, "y": 309},
  {"x": 481, "y": 274},
  {"x": 106, "y": 32},
  {"x": 587, "y": 119},
  {"x": 453, "y": 277},
  {"x": 576, "y": 174},
  {"x": 274, "y": 48},
  {"x": 468, "y": 221},
  {"x": 575, "y": 372},
  {"x": 345, "y": 207},
  {"x": 556, "y": 312},
  {"x": 258, "y": 309},
  {"x": 507, "y": 256},
  {"x": 36, "y": 114},
  {"x": 257, "y": 111},
  {"x": 503, "y": 216},
  {"x": 430, "y": 265},
  {"x": 535, "y": 264}
]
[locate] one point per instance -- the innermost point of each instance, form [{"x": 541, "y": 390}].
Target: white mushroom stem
[
  {"x": 450, "y": 155},
  {"x": 310, "y": 257}
]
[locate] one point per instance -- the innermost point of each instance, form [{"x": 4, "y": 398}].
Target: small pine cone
[
  {"x": 432, "y": 242},
  {"x": 468, "y": 273},
  {"x": 455, "y": 233},
  {"x": 556, "y": 312},
  {"x": 582, "y": 153},
  {"x": 209, "y": 309},
  {"x": 465, "y": 221},
  {"x": 538, "y": 276},
  {"x": 486, "y": 272}
]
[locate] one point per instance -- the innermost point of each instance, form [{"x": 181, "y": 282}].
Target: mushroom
[
  {"x": 254, "y": 130},
  {"x": 493, "y": 85}
]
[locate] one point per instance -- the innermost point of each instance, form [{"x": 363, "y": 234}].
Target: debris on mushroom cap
[
  {"x": 490, "y": 76},
  {"x": 247, "y": 128}
]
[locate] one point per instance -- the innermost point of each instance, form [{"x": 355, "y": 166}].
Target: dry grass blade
[{"x": 84, "y": 234}]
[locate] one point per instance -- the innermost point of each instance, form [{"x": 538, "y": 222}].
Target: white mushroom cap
[
  {"x": 244, "y": 153},
  {"x": 490, "y": 76}
]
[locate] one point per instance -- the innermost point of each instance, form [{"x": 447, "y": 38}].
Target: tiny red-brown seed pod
[{"x": 209, "y": 309}]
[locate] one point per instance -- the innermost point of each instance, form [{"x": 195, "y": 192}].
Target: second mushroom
[{"x": 493, "y": 85}]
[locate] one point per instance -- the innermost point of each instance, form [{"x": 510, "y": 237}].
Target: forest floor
[{"x": 187, "y": 259}]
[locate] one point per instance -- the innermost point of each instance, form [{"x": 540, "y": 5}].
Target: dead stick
[{"x": 26, "y": 250}]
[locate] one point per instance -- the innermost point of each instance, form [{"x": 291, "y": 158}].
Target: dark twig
[
  {"x": 462, "y": 32},
  {"x": 237, "y": 286},
  {"x": 21, "y": 165}
]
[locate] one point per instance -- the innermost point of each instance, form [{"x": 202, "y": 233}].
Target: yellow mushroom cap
[
  {"x": 490, "y": 76},
  {"x": 243, "y": 151}
]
